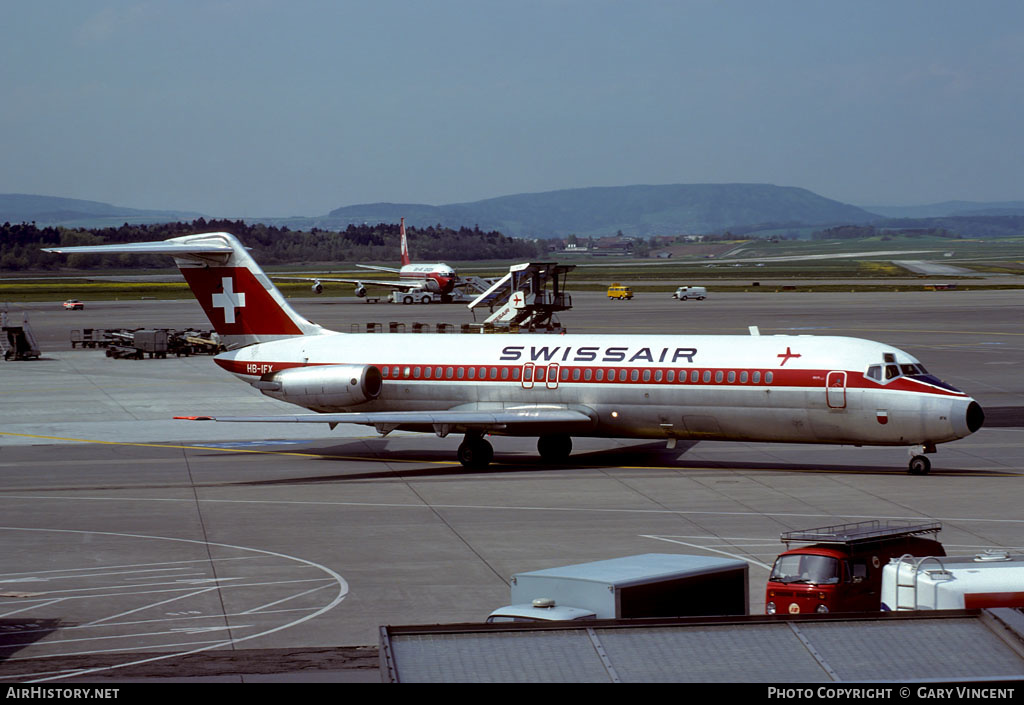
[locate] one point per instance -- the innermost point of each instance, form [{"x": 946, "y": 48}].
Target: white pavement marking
[{"x": 342, "y": 584}]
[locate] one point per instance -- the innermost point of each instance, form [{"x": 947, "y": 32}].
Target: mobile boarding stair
[
  {"x": 527, "y": 304},
  {"x": 17, "y": 342}
]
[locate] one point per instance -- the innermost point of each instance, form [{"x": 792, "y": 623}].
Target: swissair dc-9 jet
[
  {"x": 772, "y": 388},
  {"x": 415, "y": 281}
]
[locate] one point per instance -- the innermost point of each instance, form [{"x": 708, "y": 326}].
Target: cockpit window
[{"x": 893, "y": 370}]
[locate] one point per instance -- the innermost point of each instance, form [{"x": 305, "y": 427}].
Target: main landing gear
[
  {"x": 475, "y": 452},
  {"x": 554, "y": 448}
]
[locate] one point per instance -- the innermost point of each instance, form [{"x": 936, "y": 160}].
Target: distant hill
[
  {"x": 634, "y": 210},
  {"x": 947, "y": 209},
  {"x": 73, "y": 212}
]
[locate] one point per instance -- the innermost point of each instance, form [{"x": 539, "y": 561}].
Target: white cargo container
[
  {"x": 989, "y": 579},
  {"x": 648, "y": 585}
]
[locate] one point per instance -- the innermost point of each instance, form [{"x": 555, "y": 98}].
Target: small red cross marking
[{"x": 786, "y": 356}]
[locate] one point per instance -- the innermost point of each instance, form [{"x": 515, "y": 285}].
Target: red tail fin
[
  {"x": 405, "y": 246},
  {"x": 242, "y": 304}
]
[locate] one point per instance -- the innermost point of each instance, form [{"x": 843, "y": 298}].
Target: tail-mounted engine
[{"x": 323, "y": 387}]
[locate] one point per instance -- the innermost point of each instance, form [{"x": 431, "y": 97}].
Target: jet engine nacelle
[
  {"x": 318, "y": 288},
  {"x": 360, "y": 290},
  {"x": 323, "y": 387}
]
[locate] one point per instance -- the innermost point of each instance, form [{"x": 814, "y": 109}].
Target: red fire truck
[{"x": 839, "y": 568}]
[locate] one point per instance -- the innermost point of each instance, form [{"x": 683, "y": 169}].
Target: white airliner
[
  {"x": 777, "y": 388},
  {"x": 413, "y": 279}
]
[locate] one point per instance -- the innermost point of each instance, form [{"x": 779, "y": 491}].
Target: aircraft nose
[
  {"x": 975, "y": 416},
  {"x": 968, "y": 417}
]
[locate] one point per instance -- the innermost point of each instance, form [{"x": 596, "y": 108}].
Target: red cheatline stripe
[{"x": 809, "y": 379}]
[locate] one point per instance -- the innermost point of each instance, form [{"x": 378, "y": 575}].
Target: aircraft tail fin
[
  {"x": 243, "y": 305},
  {"x": 405, "y": 246}
]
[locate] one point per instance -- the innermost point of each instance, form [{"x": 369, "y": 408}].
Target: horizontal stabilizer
[{"x": 166, "y": 247}]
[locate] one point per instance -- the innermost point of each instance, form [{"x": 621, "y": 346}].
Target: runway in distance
[
  {"x": 413, "y": 279},
  {"x": 772, "y": 388}
]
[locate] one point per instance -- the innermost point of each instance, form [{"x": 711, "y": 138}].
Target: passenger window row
[{"x": 540, "y": 373}]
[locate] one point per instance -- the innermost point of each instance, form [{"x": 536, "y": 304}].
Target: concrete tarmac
[{"x": 140, "y": 547}]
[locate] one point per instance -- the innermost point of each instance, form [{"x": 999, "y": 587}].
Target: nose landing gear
[{"x": 919, "y": 464}]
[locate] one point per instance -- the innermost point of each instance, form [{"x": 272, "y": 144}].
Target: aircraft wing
[
  {"x": 379, "y": 269},
  {"x": 401, "y": 286},
  {"x": 441, "y": 422}
]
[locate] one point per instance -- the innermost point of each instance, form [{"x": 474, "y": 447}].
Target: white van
[{"x": 690, "y": 292}]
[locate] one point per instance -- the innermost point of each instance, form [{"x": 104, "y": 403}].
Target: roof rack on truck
[{"x": 861, "y": 532}]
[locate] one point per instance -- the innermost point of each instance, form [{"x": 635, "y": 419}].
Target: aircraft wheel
[
  {"x": 919, "y": 465},
  {"x": 555, "y": 448},
  {"x": 476, "y": 453}
]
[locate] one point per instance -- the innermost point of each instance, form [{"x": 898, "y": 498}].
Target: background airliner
[
  {"x": 795, "y": 389},
  {"x": 437, "y": 278}
]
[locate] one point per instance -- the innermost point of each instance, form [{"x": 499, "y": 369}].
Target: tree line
[{"x": 21, "y": 244}]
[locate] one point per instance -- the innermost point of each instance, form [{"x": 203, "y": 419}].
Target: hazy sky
[{"x": 267, "y": 108}]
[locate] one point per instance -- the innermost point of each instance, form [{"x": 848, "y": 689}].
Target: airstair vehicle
[{"x": 526, "y": 302}]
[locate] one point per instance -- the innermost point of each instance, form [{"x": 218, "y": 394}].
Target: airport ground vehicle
[
  {"x": 426, "y": 297},
  {"x": 74, "y": 305},
  {"x": 840, "y": 567},
  {"x": 988, "y": 579},
  {"x": 618, "y": 291},
  {"x": 648, "y": 585},
  {"x": 690, "y": 292}
]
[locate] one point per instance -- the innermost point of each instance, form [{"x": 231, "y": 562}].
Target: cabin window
[
  {"x": 756, "y": 377},
  {"x": 731, "y": 376},
  {"x": 565, "y": 374},
  {"x": 472, "y": 372},
  {"x": 707, "y": 376},
  {"x": 768, "y": 377},
  {"x": 437, "y": 372},
  {"x": 416, "y": 372},
  {"x": 576, "y": 374},
  {"x": 634, "y": 375},
  {"x": 504, "y": 373},
  {"x": 460, "y": 372},
  {"x": 670, "y": 376},
  {"x": 694, "y": 376},
  {"x": 658, "y": 375},
  {"x": 449, "y": 373},
  {"x": 426, "y": 372},
  {"x": 588, "y": 374},
  {"x": 622, "y": 375},
  {"x": 743, "y": 377},
  {"x": 515, "y": 373},
  {"x": 718, "y": 377},
  {"x": 599, "y": 375}
]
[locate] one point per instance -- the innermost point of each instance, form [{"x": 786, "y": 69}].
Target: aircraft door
[
  {"x": 552, "y": 380},
  {"x": 835, "y": 390},
  {"x": 528, "y": 375}
]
